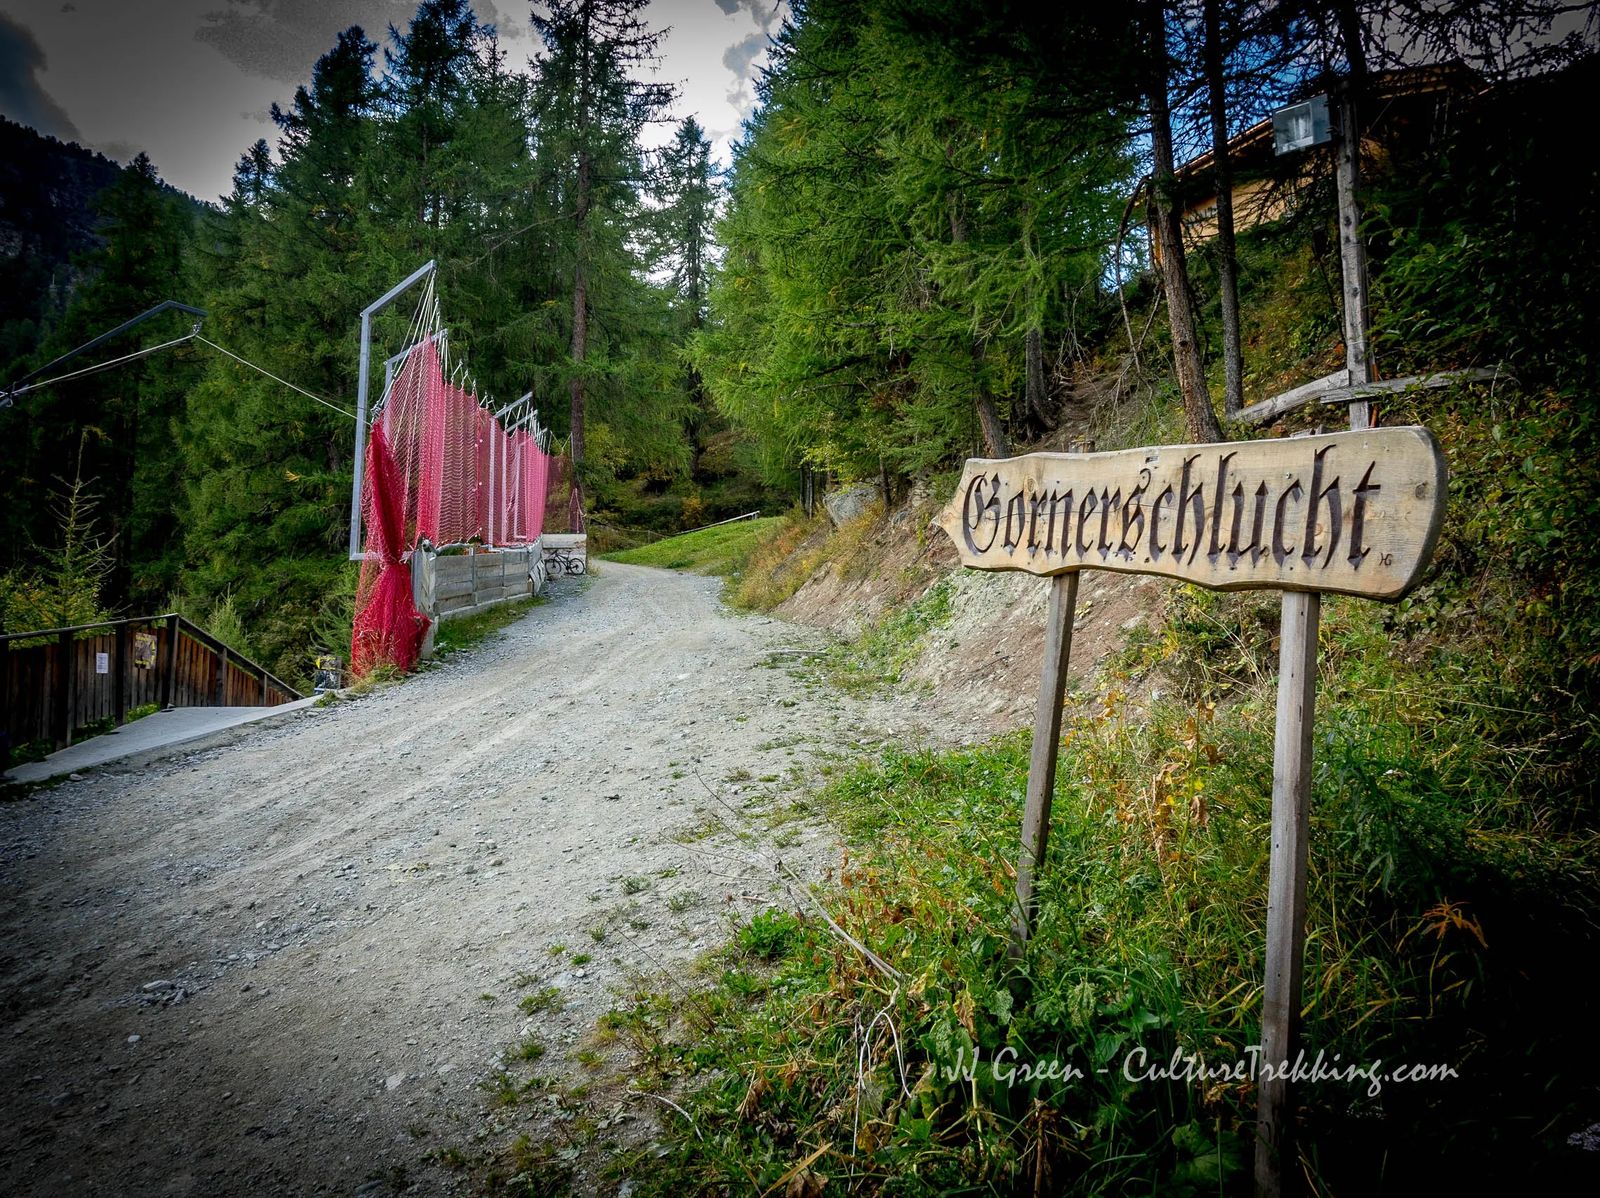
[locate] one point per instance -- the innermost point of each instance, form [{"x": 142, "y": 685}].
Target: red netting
[
  {"x": 563, "y": 507},
  {"x": 388, "y": 626},
  {"x": 439, "y": 467}
]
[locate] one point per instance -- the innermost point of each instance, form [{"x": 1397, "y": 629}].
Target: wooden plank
[
  {"x": 121, "y": 667},
  {"x": 1286, "y": 887},
  {"x": 1269, "y": 409},
  {"x": 1327, "y": 391},
  {"x": 167, "y": 659},
  {"x": 65, "y": 685},
  {"x": 453, "y": 590},
  {"x": 1352, "y": 513},
  {"x": 1046, "y": 747}
]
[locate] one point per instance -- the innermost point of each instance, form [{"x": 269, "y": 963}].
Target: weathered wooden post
[
  {"x": 169, "y": 672},
  {"x": 66, "y": 689},
  {"x": 1286, "y": 880},
  {"x": 1353, "y": 513},
  {"x": 120, "y": 675},
  {"x": 1046, "y": 746}
]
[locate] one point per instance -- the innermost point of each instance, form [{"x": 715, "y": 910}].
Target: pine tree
[
  {"x": 268, "y": 470},
  {"x": 1171, "y": 258},
  {"x": 591, "y": 110},
  {"x": 914, "y": 215},
  {"x": 130, "y": 410}
]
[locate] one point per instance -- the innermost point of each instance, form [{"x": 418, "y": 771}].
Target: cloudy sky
[{"x": 190, "y": 81}]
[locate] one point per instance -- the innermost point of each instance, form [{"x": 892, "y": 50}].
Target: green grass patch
[
  {"x": 1447, "y": 907},
  {"x": 880, "y": 655},
  {"x": 723, "y": 550},
  {"x": 465, "y": 632}
]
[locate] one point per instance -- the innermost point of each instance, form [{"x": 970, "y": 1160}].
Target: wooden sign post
[{"x": 1352, "y": 513}]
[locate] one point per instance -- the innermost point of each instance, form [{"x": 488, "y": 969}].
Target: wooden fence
[{"x": 59, "y": 680}]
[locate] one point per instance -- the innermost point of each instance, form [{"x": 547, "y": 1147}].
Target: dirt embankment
[
  {"x": 294, "y": 964},
  {"x": 980, "y": 667}
]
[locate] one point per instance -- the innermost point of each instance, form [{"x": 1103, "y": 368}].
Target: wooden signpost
[{"x": 1353, "y": 513}]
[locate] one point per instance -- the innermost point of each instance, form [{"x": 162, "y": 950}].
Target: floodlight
[{"x": 1301, "y": 126}]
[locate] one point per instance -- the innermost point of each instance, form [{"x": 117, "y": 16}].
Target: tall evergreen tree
[
  {"x": 269, "y": 468},
  {"x": 591, "y": 111},
  {"x": 1171, "y": 257},
  {"x": 128, "y": 458},
  {"x": 681, "y": 233},
  {"x": 919, "y": 200}
]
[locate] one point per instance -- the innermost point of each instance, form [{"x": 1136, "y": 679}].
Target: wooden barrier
[
  {"x": 462, "y": 583},
  {"x": 59, "y": 680}
]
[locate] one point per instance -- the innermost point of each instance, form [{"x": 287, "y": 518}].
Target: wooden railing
[{"x": 58, "y": 680}]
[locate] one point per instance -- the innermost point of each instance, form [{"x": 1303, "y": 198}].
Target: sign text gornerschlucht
[{"x": 1356, "y": 513}]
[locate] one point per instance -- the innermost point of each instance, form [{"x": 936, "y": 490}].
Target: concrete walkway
[{"x": 152, "y": 736}]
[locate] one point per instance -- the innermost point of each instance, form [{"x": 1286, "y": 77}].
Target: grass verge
[
  {"x": 722, "y": 550},
  {"x": 1441, "y": 917},
  {"x": 465, "y": 632}
]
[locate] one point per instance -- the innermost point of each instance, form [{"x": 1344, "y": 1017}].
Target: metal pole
[
  {"x": 360, "y": 464},
  {"x": 362, "y": 373}
]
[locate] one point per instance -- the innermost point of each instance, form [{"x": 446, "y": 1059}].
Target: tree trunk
[
  {"x": 994, "y": 432},
  {"x": 1202, "y": 420},
  {"x": 1037, "y": 390},
  {"x": 580, "y": 288},
  {"x": 1227, "y": 259}
]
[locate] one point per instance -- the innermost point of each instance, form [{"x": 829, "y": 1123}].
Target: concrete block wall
[{"x": 463, "y": 583}]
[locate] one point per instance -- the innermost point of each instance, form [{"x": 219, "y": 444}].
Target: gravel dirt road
[{"x": 289, "y": 964}]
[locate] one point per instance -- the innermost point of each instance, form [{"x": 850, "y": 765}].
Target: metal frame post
[{"x": 362, "y": 383}]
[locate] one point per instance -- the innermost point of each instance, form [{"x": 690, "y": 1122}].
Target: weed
[
  {"x": 466, "y": 632},
  {"x": 633, "y": 884},
  {"x": 449, "y": 1156},
  {"x": 879, "y": 656},
  {"x": 768, "y": 935},
  {"x": 529, "y": 1048},
  {"x": 502, "y": 1088},
  {"x": 542, "y": 1001}
]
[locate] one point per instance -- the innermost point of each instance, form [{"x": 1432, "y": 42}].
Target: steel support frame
[{"x": 363, "y": 377}]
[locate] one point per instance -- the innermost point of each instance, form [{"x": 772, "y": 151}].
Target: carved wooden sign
[{"x": 1356, "y": 513}]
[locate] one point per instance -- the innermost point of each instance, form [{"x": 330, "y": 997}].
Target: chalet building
[{"x": 1406, "y": 113}]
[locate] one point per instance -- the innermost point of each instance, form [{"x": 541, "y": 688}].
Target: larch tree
[
  {"x": 1167, "y": 209},
  {"x": 591, "y": 109}
]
